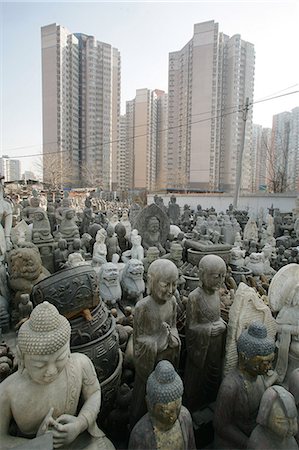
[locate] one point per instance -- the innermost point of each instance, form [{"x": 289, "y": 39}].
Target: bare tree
[
  {"x": 56, "y": 170},
  {"x": 91, "y": 176},
  {"x": 276, "y": 161}
]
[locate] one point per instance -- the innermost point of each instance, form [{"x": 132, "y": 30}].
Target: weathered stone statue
[
  {"x": 247, "y": 307},
  {"x": 28, "y": 212},
  {"x": 132, "y": 282},
  {"x": 167, "y": 424},
  {"x": 25, "y": 306},
  {"x": 68, "y": 228},
  {"x": 205, "y": 334},
  {"x": 99, "y": 254},
  {"x": 294, "y": 390},
  {"x": 52, "y": 379},
  {"x": 276, "y": 422},
  {"x": 124, "y": 220},
  {"x": 87, "y": 217},
  {"x": 109, "y": 284},
  {"x": 25, "y": 270},
  {"x": 60, "y": 255},
  {"x": 284, "y": 299},
  {"x": 153, "y": 225},
  {"x": 112, "y": 244},
  {"x": 251, "y": 230},
  {"x": 151, "y": 255},
  {"x": 41, "y": 229},
  {"x": 174, "y": 212},
  {"x": 155, "y": 334},
  {"x": 6, "y": 219},
  {"x": 241, "y": 390}
]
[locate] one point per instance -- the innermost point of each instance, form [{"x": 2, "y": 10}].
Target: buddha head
[
  {"x": 164, "y": 390},
  {"x": 278, "y": 412},
  {"x": 153, "y": 224},
  {"x": 162, "y": 279},
  {"x": 255, "y": 350},
  {"x": 43, "y": 345},
  {"x": 212, "y": 271}
]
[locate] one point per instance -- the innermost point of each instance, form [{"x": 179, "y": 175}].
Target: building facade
[
  {"x": 284, "y": 161},
  {"x": 81, "y": 108},
  {"x": 209, "y": 81},
  {"x": 10, "y": 168},
  {"x": 146, "y": 137}
]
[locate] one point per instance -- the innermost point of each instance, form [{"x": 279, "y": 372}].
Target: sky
[{"x": 145, "y": 33}]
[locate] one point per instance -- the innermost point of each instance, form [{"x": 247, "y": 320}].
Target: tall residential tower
[
  {"x": 81, "y": 107},
  {"x": 209, "y": 81}
]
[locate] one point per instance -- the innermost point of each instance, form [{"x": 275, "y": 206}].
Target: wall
[{"x": 286, "y": 203}]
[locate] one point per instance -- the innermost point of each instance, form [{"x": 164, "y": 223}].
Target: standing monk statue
[
  {"x": 155, "y": 334},
  {"x": 205, "y": 335}
]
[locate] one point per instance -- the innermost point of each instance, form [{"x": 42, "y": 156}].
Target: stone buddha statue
[
  {"x": 276, "y": 422},
  {"x": 168, "y": 424},
  {"x": 41, "y": 228},
  {"x": 43, "y": 395},
  {"x": 68, "y": 227},
  {"x": 241, "y": 390},
  {"x": 155, "y": 335},
  {"x": 205, "y": 334}
]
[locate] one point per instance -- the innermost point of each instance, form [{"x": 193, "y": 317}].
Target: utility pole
[{"x": 240, "y": 159}]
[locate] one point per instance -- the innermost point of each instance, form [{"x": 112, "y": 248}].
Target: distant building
[
  {"x": 81, "y": 108},
  {"x": 209, "y": 81},
  {"x": 260, "y": 158},
  {"x": 146, "y": 137},
  {"x": 28, "y": 175},
  {"x": 10, "y": 168},
  {"x": 285, "y": 151}
]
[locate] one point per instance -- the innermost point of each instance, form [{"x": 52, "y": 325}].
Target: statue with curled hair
[{"x": 43, "y": 395}]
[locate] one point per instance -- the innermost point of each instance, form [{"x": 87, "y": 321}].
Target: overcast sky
[{"x": 144, "y": 33}]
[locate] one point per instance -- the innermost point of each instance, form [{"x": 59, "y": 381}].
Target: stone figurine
[
  {"x": 294, "y": 390},
  {"x": 25, "y": 270},
  {"x": 153, "y": 225},
  {"x": 6, "y": 219},
  {"x": 241, "y": 390},
  {"x": 68, "y": 228},
  {"x": 112, "y": 244},
  {"x": 132, "y": 282},
  {"x": 247, "y": 307},
  {"x": 174, "y": 212},
  {"x": 205, "y": 334},
  {"x": 99, "y": 255},
  {"x": 52, "y": 379},
  {"x": 155, "y": 336},
  {"x": 109, "y": 284},
  {"x": 276, "y": 422},
  {"x": 284, "y": 299},
  {"x": 41, "y": 228},
  {"x": 167, "y": 424}
]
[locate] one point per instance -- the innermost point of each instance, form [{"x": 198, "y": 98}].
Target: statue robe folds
[
  {"x": 204, "y": 351},
  {"x": 150, "y": 347}
]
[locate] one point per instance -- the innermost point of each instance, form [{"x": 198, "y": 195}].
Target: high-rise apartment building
[
  {"x": 81, "y": 107},
  {"x": 146, "y": 118},
  {"x": 209, "y": 81},
  {"x": 260, "y": 157},
  {"x": 10, "y": 168},
  {"x": 284, "y": 170}
]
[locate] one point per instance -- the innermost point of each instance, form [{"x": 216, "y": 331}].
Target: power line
[{"x": 158, "y": 131}]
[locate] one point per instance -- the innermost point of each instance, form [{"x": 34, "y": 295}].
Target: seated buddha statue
[{"x": 43, "y": 395}]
